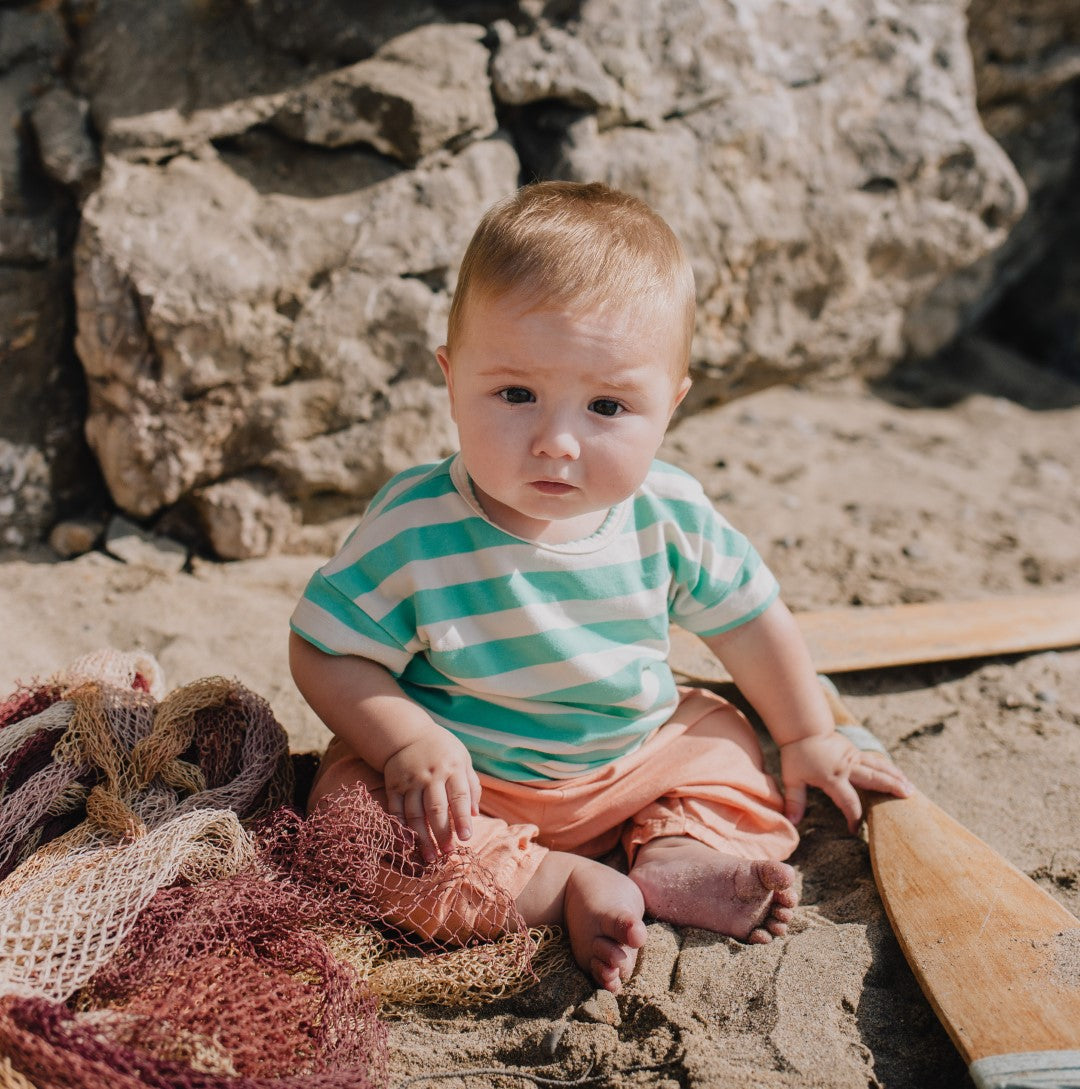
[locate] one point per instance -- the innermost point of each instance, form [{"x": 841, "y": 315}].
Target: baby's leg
[
  {"x": 602, "y": 909},
  {"x": 687, "y": 883}
]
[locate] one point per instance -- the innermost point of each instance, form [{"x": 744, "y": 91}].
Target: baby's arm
[
  {"x": 430, "y": 782},
  {"x": 769, "y": 662}
]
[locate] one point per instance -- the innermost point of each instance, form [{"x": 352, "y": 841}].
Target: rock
[
  {"x": 1025, "y": 70},
  {"x": 422, "y": 91},
  {"x": 551, "y": 64},
  {"x": 244, "y": 518},
  {"x": 67, "y": 152},
  {"x": 804, "y": 254},
  {"x": 602, "y": 1008},
  {"x": 25, "y": 497},
  {"x": 75, "y": 537},
  {"x": 271, "y": 331},
  {"x": 136, "y": 58},
  {"x": 45, "y": 468},
  {"x": 128, "y": 542},
  {"x": 331, "y": 29},
  {"x": 31, "y": 34},
  {"x": 336, "y": 471},
  {"x": 268, "y": 250}
]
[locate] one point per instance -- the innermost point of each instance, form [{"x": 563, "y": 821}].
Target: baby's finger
[
  {"x": 416, "y": 819},
  {"x": 883, "y": 777},
  {"x": 474, "y": 789},
  {"x": 460, "y": 795},
  {"x": 846, "y": 799},
  {"x": 439, "y": 816},
  {"x": 795, "y": 802}
]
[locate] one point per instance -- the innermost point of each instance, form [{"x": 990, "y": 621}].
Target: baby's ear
[
  {"x": 444, "y": 365},
  {"x": 681, "y": 392}
]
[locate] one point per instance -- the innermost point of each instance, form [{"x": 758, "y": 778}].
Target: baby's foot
[
  {"x": 604, "y": 912},
  {"x": 688, "y": 884}
]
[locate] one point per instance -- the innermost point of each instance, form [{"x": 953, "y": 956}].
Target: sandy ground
[{"x": 917, "y": 489}]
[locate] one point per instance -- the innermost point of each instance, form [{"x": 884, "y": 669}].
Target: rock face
[
  {"x": 826, "y": 166},
  {"x": 45, "y": 155},
  {"x": 272, "y": 201}
]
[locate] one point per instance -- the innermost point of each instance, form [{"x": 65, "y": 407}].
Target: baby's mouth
[{"x": 552, "y": 487}]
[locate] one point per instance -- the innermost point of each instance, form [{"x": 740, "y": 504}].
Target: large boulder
[
  {"x": 229, "y": 326},
  {"x": 825, "y": 166},
  {"x": 264, "y": 267}
]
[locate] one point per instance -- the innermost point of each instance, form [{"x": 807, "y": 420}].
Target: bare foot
[
  {"x": 687, "y": 883},
  {"x": 602, "y": 909}
]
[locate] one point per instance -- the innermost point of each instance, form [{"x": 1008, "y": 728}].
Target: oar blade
[{"x": 997, "y": 956}]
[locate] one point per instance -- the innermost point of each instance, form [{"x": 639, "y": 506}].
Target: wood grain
[
  {"x": 870, "y": 637},
  {"x": 996, "y": 956}
]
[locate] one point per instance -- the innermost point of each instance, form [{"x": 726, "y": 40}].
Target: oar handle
[
  {"x": 1027, "y": 1070},
  {"x": 846, "y": 723}
]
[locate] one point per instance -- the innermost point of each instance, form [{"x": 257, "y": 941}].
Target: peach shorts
[{"x": 700, "y": 775}]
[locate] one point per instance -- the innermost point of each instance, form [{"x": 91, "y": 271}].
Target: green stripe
[
  {"x": 435, "y": 486},
  {"x": 323, "y": 593},
  {"x": 521, "y": 588},
  {"x": 579, "y": 726},
  {"x": 520, "y": 652},
  {"x": 743, "y": 618}
]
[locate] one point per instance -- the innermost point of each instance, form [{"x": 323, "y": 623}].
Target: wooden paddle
[
  {"x": 996, "y": 956},
  {"x": 869, "y": 637}
]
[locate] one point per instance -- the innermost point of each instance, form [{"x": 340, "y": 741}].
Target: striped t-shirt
[{"x": 546, "y": 660}]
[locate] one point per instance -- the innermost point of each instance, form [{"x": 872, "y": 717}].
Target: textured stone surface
[
  {"x": 226, "y": 326},
  {"x": 271, "y": 201},
  {"x": 45, "y": 467},
  {"x": 826, "y": 168},
  {"x": 422, "y": 91}
]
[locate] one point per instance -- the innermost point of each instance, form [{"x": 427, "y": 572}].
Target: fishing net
[{"x": 168, "y": 918}]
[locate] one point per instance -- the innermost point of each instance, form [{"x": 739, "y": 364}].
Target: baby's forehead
[{"x": 622, "y": 316}]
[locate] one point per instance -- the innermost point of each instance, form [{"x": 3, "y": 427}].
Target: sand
[{"x": 920, "y": 488}]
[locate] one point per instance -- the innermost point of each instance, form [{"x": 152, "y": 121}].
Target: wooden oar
[
  {"x": 996, "y": 956},
  {"x": 869, "y": 637}
]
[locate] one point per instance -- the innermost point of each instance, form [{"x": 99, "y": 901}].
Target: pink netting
[{"x": 167, "y": 919}]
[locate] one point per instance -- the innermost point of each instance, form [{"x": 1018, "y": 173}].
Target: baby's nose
[{"x": 555, "y": 439}]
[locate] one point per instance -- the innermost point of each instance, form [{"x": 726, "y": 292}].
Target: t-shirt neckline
[{"x": 611, "y": 525}]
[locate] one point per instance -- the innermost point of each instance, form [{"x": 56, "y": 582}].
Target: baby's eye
[
  {"x": 516, "y": 395},
  {"x": 605, "y": 406}
]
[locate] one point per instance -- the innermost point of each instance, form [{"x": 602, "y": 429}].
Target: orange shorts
[{"x": 700, "y": 775}]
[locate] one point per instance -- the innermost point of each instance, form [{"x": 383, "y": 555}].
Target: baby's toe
[
  {"x": 775, "y": 927},
  {"x": 607, "y": 976},
  {"x": 785, "y": 898}
]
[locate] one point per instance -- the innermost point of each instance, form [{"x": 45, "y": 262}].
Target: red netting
[{"x": 186, "y": 927}]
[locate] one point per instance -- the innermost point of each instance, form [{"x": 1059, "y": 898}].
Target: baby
[{"x": 489, "y": 648}]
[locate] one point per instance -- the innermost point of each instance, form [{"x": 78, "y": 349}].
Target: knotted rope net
[{"x": 169, "y": 918}]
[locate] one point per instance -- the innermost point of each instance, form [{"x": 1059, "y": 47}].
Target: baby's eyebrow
[
  {"x": 521, "y": 375},
  {"x": 504, "y": 370}
]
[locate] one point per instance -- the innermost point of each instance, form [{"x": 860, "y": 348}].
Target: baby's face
[{"x": 560, "y": 414}]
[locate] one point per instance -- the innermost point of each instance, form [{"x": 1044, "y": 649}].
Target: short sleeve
[
  {"x": 331, "y": 620},
  {"x": 719, "y": 580}
]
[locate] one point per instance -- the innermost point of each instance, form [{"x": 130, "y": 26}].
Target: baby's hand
[
  {"x": 833, "y": 764},
  {"x": 432, "y": 788}
]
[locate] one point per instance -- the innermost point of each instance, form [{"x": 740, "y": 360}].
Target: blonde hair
[{"x": 576, "y": 245}]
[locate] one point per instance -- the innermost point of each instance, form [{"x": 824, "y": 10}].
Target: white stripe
[
  {"x": 438, "y": 573},
  {"x": 545, "y": 616},
  {"x": 738, "y": 604},
  {"x": 326, "y": 629},
  {"x": 535, "y": 682},
  {"x": 427, "y": 512}
]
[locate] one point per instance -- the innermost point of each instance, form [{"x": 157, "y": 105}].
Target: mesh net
[{"x": 167, "y": 918}]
